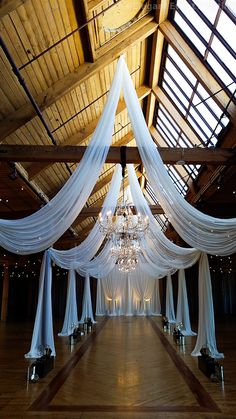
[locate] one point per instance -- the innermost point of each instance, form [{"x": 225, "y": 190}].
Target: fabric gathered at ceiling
[
  {"x": 209, "y": 234},
  {"x": 41, "y": 229},
  {"x": 160, "y": 256}
]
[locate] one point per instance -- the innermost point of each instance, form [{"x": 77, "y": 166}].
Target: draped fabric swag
[{"x": 160, "y": 257}]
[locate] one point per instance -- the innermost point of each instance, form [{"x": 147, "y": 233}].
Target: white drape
[
  {"x": 73, "y": 259},
  {"x": 170, "y": 310},
  {"x": 155, "y": 302},
  {"x": 100, "y": 301},
  {"x": 206, "y": 322},
  {"x": 71, "y": 314},
  {"x": 79, "y": 257},
  {"x": 160, "y": 256},
  {"x": 128, "y": 298},
  {"x": 101, "y": 264},
  {"x": 129, "y": 294},
  {"x": 114, "y": 294},
  {"x": 40, "y": 230},
  {"x": 143, "y": 291},
  {"x": 211, "y": 235},
  {"x": 182, "y": 315},
  {"x": 87, "y": 309},
  {"x": 43, "y": 327}
]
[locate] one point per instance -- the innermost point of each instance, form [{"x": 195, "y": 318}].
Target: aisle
[{"x": 127, "y": 368}]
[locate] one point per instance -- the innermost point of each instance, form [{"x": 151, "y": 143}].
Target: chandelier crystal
[
  {"x": 125, "y": 229},
  {"x": 127, "y": 264},
  {"x": 123, "y": 223},
  {"x": 126, "y": 251}
]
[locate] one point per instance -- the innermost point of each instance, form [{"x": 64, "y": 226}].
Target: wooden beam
[
  {"x": 85, "y": 133},
  {"x": 89, "y": 28},
  {"x": 94, "y": 4},
  {"x": 160, "y": 142},
  {"x": 7, "y": 6},
  {"x": 94, "y": 211},
  {"x": 196, "y": 65},
  {"x": 125, "y": 34},
  {"x": 123, "y": 141},
  {"x": 140, "y": 31},
  {"x": 182, "y": 123},
  {"x": 157, "y": 48},
  {"x": 84, "y": 213},
  {"x": 162, "y": 9},
  {"x": 161, "y": 14},
  {"x": 26, "y": 153},
  {"x": 208, "y": 176}
]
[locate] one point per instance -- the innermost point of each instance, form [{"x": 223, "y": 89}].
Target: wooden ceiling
[{"x": 66, "y": 53}]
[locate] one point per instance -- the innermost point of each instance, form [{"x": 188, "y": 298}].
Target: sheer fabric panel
[
  {"x": 206, "y": 321},
  {"x": 71, "y": 314},
  {"x": 43, "y": 326},
  {"x": 170, "y": 310},
  {"x": 87, "y": 309},
  {"x": 128, "y": 294},
  {"x": 208, "y": 234},
  {"x": 182, "y": 315},
  {"x": 40, "y": 230}
]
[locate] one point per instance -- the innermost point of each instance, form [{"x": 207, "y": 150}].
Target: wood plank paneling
[{"x": 73, "y": 79}]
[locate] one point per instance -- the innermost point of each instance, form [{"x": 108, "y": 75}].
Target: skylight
[
  {"x": 192, "y": 100},
  {"x": 210, "y": 28},
  {"x": 190, "y": 97}
]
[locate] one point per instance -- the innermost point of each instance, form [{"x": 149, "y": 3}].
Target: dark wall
[
  {"x": 223, "y": 291},
  {"x": 23, "y": 293}
]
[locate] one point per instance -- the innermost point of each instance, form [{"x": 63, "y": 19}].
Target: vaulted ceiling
[{"x": 58, "y": 59}]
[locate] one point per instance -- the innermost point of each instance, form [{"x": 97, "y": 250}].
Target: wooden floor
[{"x": 127, "y": 368}]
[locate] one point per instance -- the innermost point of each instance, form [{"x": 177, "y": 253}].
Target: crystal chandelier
[
  {"x": 127, "y": 264},
  {"x": 125, "y": 247},
  {"x": 125, "y": 221},
  {"x": 126, "y": 252},
  {"x": 125, "y": 229}
]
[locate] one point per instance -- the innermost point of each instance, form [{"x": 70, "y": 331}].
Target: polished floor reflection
[{"x": 126, "y": 368}]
